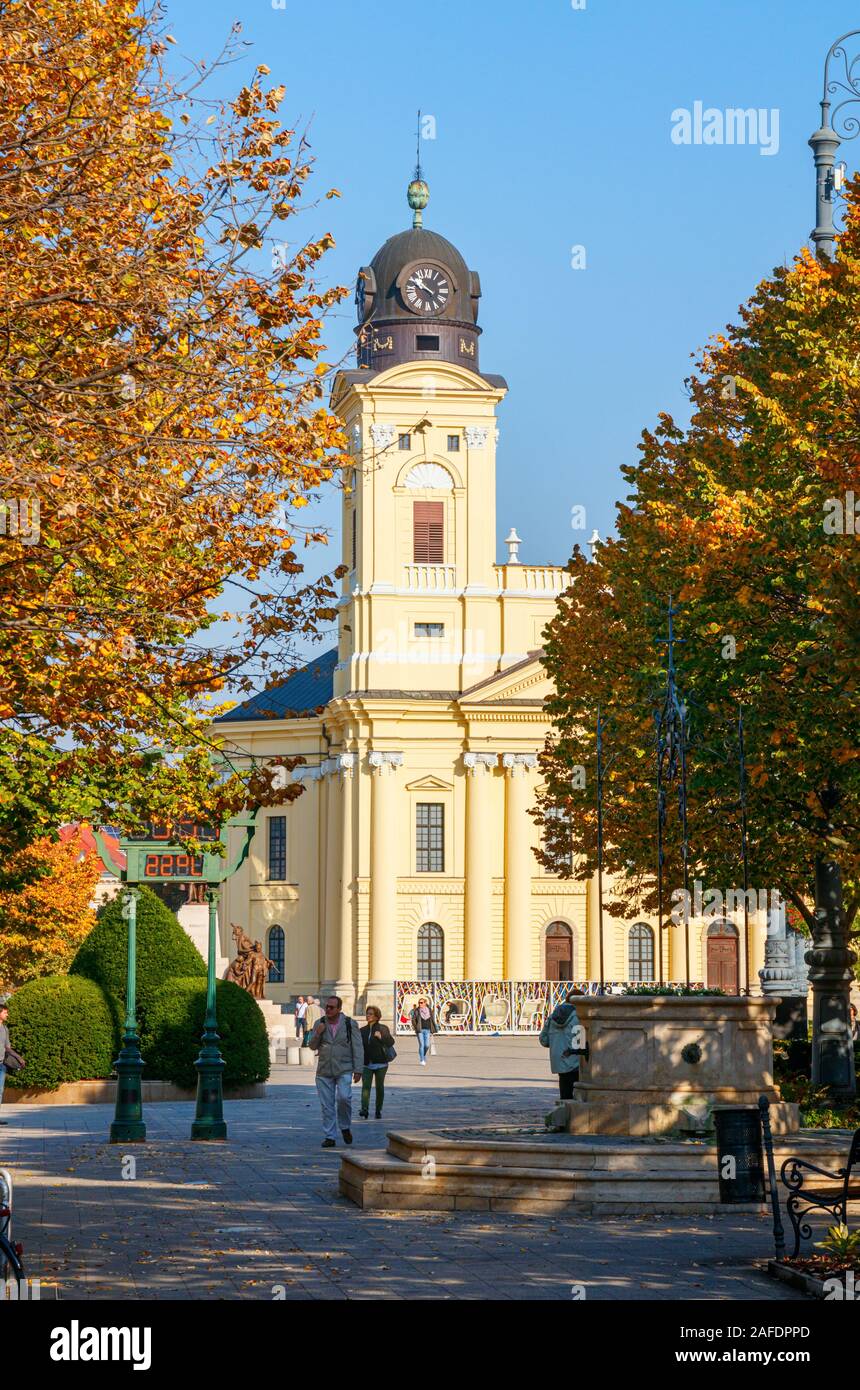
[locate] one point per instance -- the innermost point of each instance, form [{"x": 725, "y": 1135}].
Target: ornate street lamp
[
  {"x": 128, "y": 1126},
  {"x": 842, "y": 81},
  {"x": 672, "y": 732},
  {"x": 830, "y": 973}
]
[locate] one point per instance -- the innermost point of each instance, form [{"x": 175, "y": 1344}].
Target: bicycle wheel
[{"x": 11, "y": 1264}]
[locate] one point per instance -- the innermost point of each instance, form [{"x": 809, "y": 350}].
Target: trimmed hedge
[
  {"x": 163, "y": 949},
  {"x": 173, "y": 1022},
  {"x": 65, "y": 1029}
]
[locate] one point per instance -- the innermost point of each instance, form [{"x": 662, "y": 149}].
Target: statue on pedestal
[{"x": 250, "y": 969}]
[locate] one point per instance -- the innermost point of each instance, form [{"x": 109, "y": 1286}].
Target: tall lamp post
[
  {"x": 842, "y": 81},
  {"x": 127, "y": 1126}
]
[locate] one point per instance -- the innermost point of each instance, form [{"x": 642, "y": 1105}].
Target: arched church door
[
  {"x": 559, "y": 952},
  {"x": 723, "y": 957}
]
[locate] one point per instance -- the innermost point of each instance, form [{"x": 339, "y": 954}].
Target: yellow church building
[{"x": 409, "y": 855}]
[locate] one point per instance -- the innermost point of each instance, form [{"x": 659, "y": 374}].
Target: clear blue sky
[{"x": 554, "y": 130}]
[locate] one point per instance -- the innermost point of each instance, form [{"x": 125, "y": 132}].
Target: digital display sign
[
  {"x": 172, "y": 865},
  {"x": 182, "y": 830}
]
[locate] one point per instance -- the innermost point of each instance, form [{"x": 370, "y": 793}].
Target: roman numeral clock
[{"x": 417, "y": 299}]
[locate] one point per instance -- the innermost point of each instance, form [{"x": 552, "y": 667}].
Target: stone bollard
[{"x": 306, "y": 1057}]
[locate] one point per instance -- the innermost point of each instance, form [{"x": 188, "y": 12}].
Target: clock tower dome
[{"x": 417, "y": 301}]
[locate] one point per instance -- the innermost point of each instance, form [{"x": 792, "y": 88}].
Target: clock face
[
  {"x": 427, "y": 290},
  {"x": 360, "y": 296}
]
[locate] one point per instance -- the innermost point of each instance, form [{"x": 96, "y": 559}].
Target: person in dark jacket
[
  {"x": 562, "y": 1034},
  {"x": 424, "y": 1026},
  {"x": 377, "y": 1041},
  {"x": 4, "y": 1044}
]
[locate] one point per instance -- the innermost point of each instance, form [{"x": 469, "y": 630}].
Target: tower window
[
  {"x": 426, "y": 342},
  {"x": 453, "y": 443},
  {"x": 404, "y": 441},
  {"x": 430, "y": 838},
  {"x": 431, "y": 952},
  {"x": 428, "y": 533}
]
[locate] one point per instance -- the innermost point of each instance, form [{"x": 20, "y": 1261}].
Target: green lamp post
[
  {"x": 128, "y": 1126},
  {"x": 209, "y": 1116},
  {"x": 154, "y": 859}
]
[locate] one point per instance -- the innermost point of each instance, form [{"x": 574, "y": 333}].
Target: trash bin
[{"x": 740, "y": 1165}]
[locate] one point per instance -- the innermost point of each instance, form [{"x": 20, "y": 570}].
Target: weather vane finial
[{"x": 418, "y": 194}]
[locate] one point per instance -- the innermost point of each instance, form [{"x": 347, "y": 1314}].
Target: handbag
[
  {"x": 390, "y": 1053},
  {"x": 12, "y": 1060},
  {"x": 432, "y": 1046}
]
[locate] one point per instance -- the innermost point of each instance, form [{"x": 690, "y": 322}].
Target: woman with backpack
[
  {"x": 379, "y": 1051},
  {"x": 562, "y": 1034}
]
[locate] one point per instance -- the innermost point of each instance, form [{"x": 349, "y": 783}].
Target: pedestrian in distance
[
  {"x": 301, "y": 1014},
  {"x": 562, "y": 1034},
  {"x": 424, "y": 1027},
  {"x": 336, "y": 1039},
  {"x": 379, "y": 1051},
  {"x": 10, "y": 1060},
  {"x": 313, "y": 1014}
]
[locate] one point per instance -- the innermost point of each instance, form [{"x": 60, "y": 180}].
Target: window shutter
[{"x": 428, "y": 533}]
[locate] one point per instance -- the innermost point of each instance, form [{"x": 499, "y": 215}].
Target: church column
[
  {"x": 518, "y": 866},
  {"x": 331, "y": 924},
  {"x": 479, "y": 864},
  {"x": 383, "y": 881},
  {"x": 345, "y": 983}
]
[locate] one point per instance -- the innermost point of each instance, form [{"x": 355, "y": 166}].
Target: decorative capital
[
  {"x": 384, "y": 762},
  {"x": 519, "y": 762},
  {"x": 382, "y": 435},
  {"x": 480, "y": 762},
  {"x": 309, "y": 773},
  {"x": 347, "y": 763},
  {"x": 476, "y": 436}
]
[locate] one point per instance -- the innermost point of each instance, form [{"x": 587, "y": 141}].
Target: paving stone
[{"x": 95, "y": 1235}]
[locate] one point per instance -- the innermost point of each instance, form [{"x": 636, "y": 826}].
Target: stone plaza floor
[{"x": 260, "y": 1217}]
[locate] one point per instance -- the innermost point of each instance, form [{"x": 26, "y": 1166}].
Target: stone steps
[{"x": 423, "y": 1171}]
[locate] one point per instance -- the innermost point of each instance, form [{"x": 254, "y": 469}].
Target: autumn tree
[
  {"x": 46, "y": 910},
  {"x": 746, "y": 517},
  {"x": 160, "y": 401}
]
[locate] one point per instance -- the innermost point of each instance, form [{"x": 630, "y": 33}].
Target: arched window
[
  {"x": 275, "y": 952},
  {"x": 431, "y": 952},
  {"x": 559, "y": 950},
  {"x": 640, "y": 952}
]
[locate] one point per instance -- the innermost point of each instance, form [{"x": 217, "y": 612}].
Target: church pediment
[
  {"x": 526, "y": 682},
  {"x": 429, "y": 784}
]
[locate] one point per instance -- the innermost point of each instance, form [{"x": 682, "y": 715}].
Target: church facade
[{"x": 409, "y": 855}]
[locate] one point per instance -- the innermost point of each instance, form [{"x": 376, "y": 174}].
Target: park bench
[{"x": 843, "y": 1187}]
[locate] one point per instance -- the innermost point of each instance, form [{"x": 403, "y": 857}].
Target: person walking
[
  {"x": 424, "y": 1026},
  {"x": 5, "y": 1043},
  {"x": 562, "y": 1034},
  {"x": 301, "y": 1015},
  {"x": 336, "y": 1040},
  {"x": 313, "y": 1014},
  {"x": 378, "y": 1052}
]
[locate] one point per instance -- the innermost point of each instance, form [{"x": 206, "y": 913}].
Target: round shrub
[
  {"x": 163, "y": 949},
  {"x": 173, "y": 1023},
  {"x": 65, "y": 1029}
]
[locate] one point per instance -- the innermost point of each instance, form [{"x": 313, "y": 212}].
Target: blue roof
[{"x": 301, "y": 693}]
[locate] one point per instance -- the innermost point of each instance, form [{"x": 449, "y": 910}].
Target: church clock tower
[{"x": 419, "y": 608}]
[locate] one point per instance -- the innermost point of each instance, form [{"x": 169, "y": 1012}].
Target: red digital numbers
[{"x": 173, "y": 866}]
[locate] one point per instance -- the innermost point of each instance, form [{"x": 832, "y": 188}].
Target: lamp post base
[
  {"x": 128, "y": 1126},
  {"x": 209, "y": 1120}
]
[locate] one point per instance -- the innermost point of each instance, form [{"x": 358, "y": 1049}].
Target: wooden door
[
  {"x": 559, "y": 952},
  {"x": 723, "y": 963}
]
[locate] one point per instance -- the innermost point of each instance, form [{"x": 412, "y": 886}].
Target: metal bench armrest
[{"x": 791, "y": 1176}]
